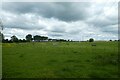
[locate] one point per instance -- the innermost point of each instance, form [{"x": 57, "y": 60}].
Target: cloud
[
  {"x": 68, "y": 20},
  {"x": 26, "y": 21},
  {"x": 65, "y": 11}
]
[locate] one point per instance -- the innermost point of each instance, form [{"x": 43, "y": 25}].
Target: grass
[{"x": 60, "y": 60}]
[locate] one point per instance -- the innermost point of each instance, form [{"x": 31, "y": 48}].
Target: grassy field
[{"x": 60, "y": 60}]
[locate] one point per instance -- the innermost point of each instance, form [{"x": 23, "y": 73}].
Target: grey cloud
[
  {"x": 62, "y": 11},
  {"x": 58, "y": 29},
  {"x": 55, "y": 35},
  {"x": 105, "y": 24},
  {"x": 25, "y": 27},
  {"x": 17, "y": 7},
  {"x": 64, "y": 20},
  {"x": 22, "y": 22},
  {"x": 110, "y": 29},
  {"x": 102, "y": 21},
  {"x": 74, "y": 32}
]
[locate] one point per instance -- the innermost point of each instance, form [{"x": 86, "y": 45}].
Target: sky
[{"x": 66, "y": 20}]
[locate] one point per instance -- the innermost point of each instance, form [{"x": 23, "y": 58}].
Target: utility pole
[
  {"x": 1, "y": 28},
  {"x": 1, "y": 25}
]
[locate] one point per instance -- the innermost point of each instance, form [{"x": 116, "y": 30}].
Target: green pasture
[{"x": 60, "y": 60}]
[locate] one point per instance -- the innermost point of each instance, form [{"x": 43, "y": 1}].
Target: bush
[
  {"x": 110, "y": 40},
  {"x": 91, "y": 40}
]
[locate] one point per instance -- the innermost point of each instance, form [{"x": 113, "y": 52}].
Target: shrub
[
  {"x": 110, "y": 40},
  {"x": 91, "y": 40}
]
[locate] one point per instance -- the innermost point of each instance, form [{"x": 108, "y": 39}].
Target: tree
[
  {"x": 29, "y": 37},
  {"x": 37, "y": 38},
  {"x": 91, "y": 40},
  {"x": 14, "y": 38},
  {"x": 20, "y": 40},
  {"x": 6, "y": 41},
  {"x": 44, "y": 38},
  {"x": 61, "y": 40},
  {"x": 23, "y": 40},
  {"x": 50, "y": 39},
  {"x": 110, "y": 40},
  {"x": 68, "y": 40}
]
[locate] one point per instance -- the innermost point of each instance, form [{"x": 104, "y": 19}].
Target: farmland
[{"x": 60, "y": 60}]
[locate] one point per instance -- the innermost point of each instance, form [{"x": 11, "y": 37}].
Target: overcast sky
[{"x": 67, "y": 20}]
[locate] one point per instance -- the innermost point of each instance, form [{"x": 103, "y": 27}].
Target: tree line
[
  {"x": 28, "y": 38},
  {"x": 36, "y": 38}
]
